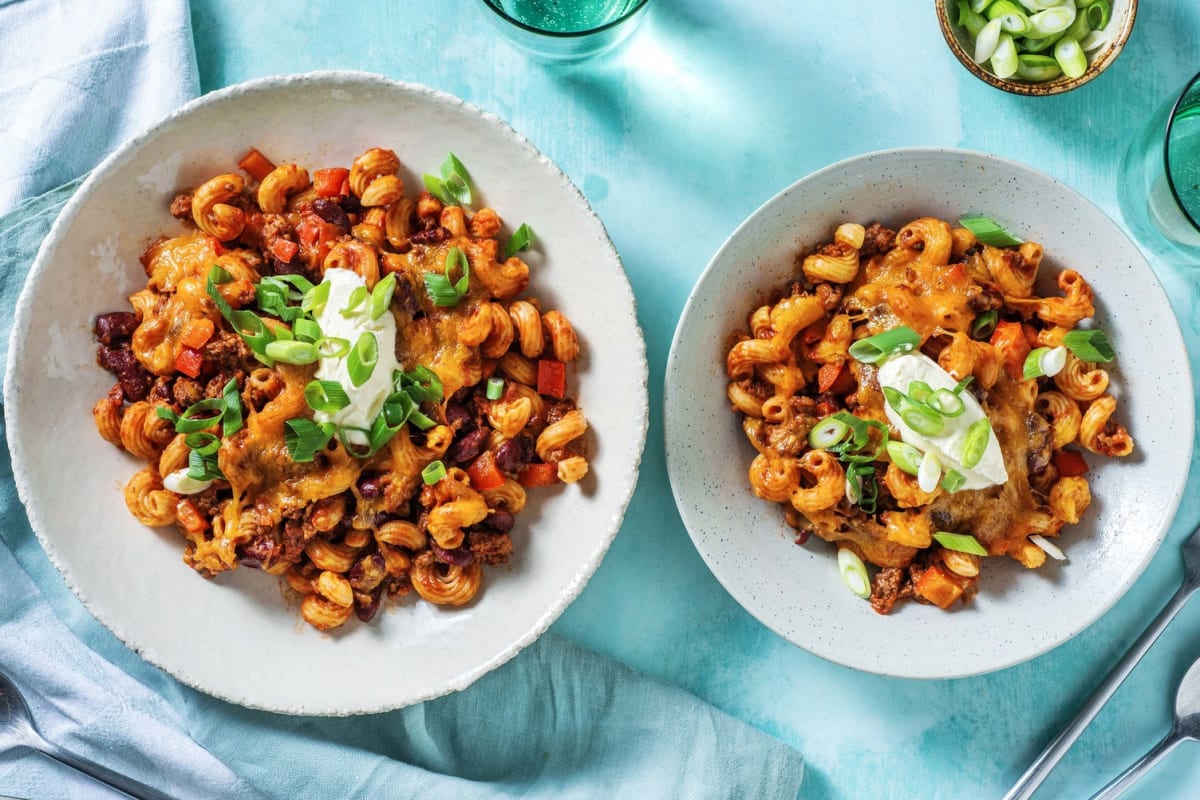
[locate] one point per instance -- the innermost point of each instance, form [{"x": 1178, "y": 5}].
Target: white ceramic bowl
[
  {"x": 235, "y": 637},
  {"x": 1018, "y": 613}
]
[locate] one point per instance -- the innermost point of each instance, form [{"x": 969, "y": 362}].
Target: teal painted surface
[{"x": 712, "y": 107}]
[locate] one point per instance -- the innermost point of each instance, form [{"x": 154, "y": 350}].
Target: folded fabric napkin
[{"x": 556, "y": 722}]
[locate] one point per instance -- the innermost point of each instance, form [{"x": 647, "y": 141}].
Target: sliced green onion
[
  {"x": 190, "y": 421},
  {"x": 356, "y": 299},
  {"x": 437, "y": 187},
  {"x": 1091, "y": 346},
  {"x": 293, "y": 352},
  {"x": 1049, "y": 547},
  {"x": 853, "y": 488},
  {"x": 363, "y": 357},
  {"x": 1045, "y": 362},
  {"x": 304, "y": 438},
  {"x": 920, "y": 391},
  {"x": 972, "y": 21},
  {"x": 327, "y": 396},
  {"x": 1070, "y": 57},
  {"x": 522, "y": 238},
  {"x": 976, "y": 442},
  {"x": 929, "y": 474},
  {"x": 988, "y": 231},
  {"x": 827, "y": 433},
  {"x": 420, "y": 420},
  {"x": 397, "y": 408},
  {"x": 979, "y": 6},
  {"x": 919, "y": 417},
  {"x": 433, "y": 473},
  {"x": 300, "y": 285},
  {"x": 1052, "y": 21},
  {"x": 874, "y": 348},
  {"x": 381, "y": 295},
  {"x": 440, "y": 288},
  {"x": 1012, "y": 17},
  {"x": 315, "y": 299},
  {"x": 307, "y": 330},
  {"x": 332, "y": 346},
  {"x": 422, "y": 384},
  {"x": 218, "y": 274},
  {"x": 202, "y": 467},
  {"x": 985, "y": 325},
  {"x": 960, "y": 542},
  {"x": 231, "y": 414},
  {"x": 495, "y": 390},
  {"x": 1097, "y": 13},
  {"x": 988, "y": 40},
  {"x": 854, "y": 572},
  {"x": 947, "y": 403},
  {"x": 953, "y": 480},
  {"x": 1004, "y": 59},
  {"x": 963, "y": 384},
  {"x": 456, "y": 179},
  {"x": 1035, "y": 46},
  {"x": 1037, "y": 68},
  {"x": 904, "y": 456},
  {"x": 206, "y": 444},
  {"x": 1094, "y": 41}
]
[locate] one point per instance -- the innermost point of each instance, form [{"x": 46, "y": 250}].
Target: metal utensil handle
[
  {"x": 1140, "y": 767},
  {"x": 115, "y": 780},
  {"x": 1028, "y": 783}
]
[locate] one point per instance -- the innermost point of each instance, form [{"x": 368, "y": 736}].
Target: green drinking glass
[
  {"x": 1159, "y": 189},
  {"x": 566, "y": 30}
]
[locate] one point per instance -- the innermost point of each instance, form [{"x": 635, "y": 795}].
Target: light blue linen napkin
[{"x": 556, "y": 722}]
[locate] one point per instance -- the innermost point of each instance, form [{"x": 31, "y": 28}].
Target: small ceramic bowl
[{"x": 1120, "y": 25}]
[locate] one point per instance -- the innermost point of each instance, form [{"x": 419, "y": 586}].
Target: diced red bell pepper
[
  {"x": 328, "y": 182},
  {"x": 197, "y": 332},
  {"x": 835, "y": 377},
  {"x": 256, "y": 164},
  {"x": 189, "y": 361},
  {"x": 1070, "y": 464},
  {"x": 540, "y": 474},
  {"x": 552, "y": 378},
  {"x": 484, "y": 474},
  {"x": 284, "y": 249}
]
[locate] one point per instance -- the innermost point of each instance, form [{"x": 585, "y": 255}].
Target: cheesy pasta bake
[
  {"x": 341, "y": 382},
  {"x": 914, "y": 401}
]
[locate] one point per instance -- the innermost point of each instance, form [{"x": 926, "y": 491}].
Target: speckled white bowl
[
  {"x": 234, "y": 637},
  {"x": 1018, "y": 614}
]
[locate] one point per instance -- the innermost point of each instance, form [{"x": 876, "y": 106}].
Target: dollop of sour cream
[
  {"x": 899, "y": 372},
  {"x": 180, "y": 482},
  {"x": 366, "y": 400}
]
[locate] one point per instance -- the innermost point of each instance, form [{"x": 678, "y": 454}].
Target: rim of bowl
[
  {"x": 1056, "y": 86},
  {"x": 503, "y": 15}
]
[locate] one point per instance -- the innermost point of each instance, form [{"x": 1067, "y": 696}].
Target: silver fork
[
  {"x": 17, "y": 729},
  {"x": 1028, "y": 783}
]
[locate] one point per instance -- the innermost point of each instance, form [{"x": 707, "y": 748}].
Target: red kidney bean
[
  {"x": 457, "y": 416},
  {"x": 367, "y": 573},
  {"x": 331, "y": 212},
  {"x": 114, "y": 326},
  {"x": 458, "y": 557},
  {"x": 467, "y": 446},
  {"x": 499, "y": 520},
  {"x": 370, "y": 486},
  {"x": 350, "y": 204},
  {"x": 432, "y": 236},
  {"x": 135, "y": 380},
  {"x": 406, "y": 296},
  {"x": 366, "y": 605},
  {"x": 259, "y": 551},
  {"x": 516, "y": 453}
]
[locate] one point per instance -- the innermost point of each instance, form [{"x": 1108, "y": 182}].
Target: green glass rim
[
  {"x": 500, "y": 12},
  {"x": 1175, "y": 109}
]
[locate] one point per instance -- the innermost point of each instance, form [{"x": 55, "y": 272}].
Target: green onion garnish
[
  {"x": 1051, "y": 21},
  {"x": 920, "y": 391},
  {"x": 231, "y": 414},
  {"x": 904, "y": 456},
  {"x": 522, "y": 238},
  {"x": 332, "y": 346},
  {"x": 1070, "y": 57},
  {"x": 1037, "y": 68},
  {"x": 1097, "y": 13},
  {"x": 292, "y": 352},
  {"x": 327, "y": 396},
  {"x": 495, "y": 390},
  {"x": 440, "y": 289},
  {"x": 189, "y": 421},
  {"x": 1091, "y": 346},
  {"x": 454, "y": 187},
  {"x": 1005, "y": 59},
  {"x": 381, "y": 295},
  {"x": 827, "y": 433},
  {"x": 206, "y": 444},
  {"x": 947, "y": 403},
  {"x": 304, "y": 438},
  {"x": 953, "y": 480},
  {"x": 306, "y": 330},
  {"x": 861, "y": 488},
  {"x": 203, "y": 467},
  {"x": 987, "y": 40},
  {"x": 1013, "y": 19},
  {"x": 1045, "y": 362},
  {"x": 976, "y": 442},
  {"x": 929, "y": 474},
  {"x": 985, "y": 325},
  {"x": 363, "y": 357},
  {"x": 971, "y": 20},
  {"x": 315, "y": 299},
  {"x": 961, "y": 542},
  {"x": 433, "y": 473},
  {"x": 874, "y": 348},
  {"x": 988, "y": 231},
  {"x": 422, "y": 384},
  {"x": 921, "y": 418},
  {"x": 963, "y": 384},
  {"x": 854, "y": 572},
  {"x": 357, "y": 297}
]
